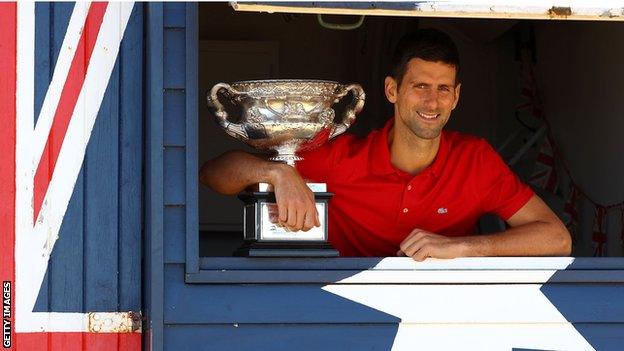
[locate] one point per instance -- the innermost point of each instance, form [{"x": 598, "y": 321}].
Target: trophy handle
[
  {"x": 348, "y": 117},
  {"x": 234, "y": 129}
]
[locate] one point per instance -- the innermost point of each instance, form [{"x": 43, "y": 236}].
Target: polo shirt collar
[{"x": 380, "y": 162}]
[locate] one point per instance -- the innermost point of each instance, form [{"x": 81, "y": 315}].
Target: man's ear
[
  {"x": 390, "y": 88},
  {"x": 457, "y": 90}
]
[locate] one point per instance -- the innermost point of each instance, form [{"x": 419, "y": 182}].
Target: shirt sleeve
[
  {"x": 317, "y": 163},
  {"x": 503, "y": 193}
]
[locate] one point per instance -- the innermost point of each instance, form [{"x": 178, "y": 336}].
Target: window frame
[{"x": 244, "y": 270}]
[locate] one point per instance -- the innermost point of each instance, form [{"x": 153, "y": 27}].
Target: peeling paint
[{"x": 114, "y": 322}]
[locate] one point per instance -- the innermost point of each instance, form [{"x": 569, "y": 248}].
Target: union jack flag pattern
[{"x": 47, "y": 127}]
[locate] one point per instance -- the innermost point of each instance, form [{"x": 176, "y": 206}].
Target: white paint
[
  {"x": 480, "y": 277},
  {"x": 478, "y": 263},
  {"x": 503, "y": 9},
  {"x": 61, "y": 69},
  {"x": 460, "y": 307},
  {"x": 34, "y": 244}
]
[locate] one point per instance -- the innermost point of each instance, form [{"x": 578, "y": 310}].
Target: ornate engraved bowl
[{"x": 285, "y": 116}]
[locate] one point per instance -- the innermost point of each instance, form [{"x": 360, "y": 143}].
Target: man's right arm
[{"x": 234, "y": 171}]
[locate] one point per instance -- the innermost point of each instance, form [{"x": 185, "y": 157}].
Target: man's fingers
[
  {"x": 413, "y": 236},
  {"x": 283, "y": 212},
  {"x": 421, "y": 254},
  {"x": 301, "y": 218},
  {"x": 309, "y": 222},
  {"x": 292, "y": 217},
  {"x": 318, "y": 220},
  {"x": 412, "y": 246}
]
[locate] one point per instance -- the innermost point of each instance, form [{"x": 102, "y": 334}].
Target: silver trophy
[{"x": 283, "y": 116}]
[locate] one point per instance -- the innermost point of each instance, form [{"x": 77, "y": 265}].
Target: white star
[{"x": 459, "y": 316}]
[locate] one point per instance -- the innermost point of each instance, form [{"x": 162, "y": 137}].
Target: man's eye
[
  {"x": 421, "y": 86},
  {"x": 445, "y": 89}
]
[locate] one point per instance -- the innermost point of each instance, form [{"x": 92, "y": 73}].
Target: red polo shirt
[{"x": 376, "y": 206}]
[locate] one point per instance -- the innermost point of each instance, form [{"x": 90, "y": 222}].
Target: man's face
[{"x": 424, "y": 100}]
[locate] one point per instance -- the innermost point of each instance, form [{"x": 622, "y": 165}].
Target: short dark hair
[{"x": 427, "y": 44}]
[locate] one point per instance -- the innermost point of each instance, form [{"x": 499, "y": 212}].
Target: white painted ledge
[{"x": 599, "y": 10}]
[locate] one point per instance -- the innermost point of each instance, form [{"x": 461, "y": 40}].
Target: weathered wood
[
  {"x": 131, "y": 162},
  {"x": 240, "y": 336},
  {"x": 153, "y": 245},
  {"x": 174, "y": 226},
  {"x": 174, "y": 175},
  {"x": 192, "y": 154},
  {"x": 426, "y": 303},
  {"x": 174, "y": 74},
  {"x": 174, "y": 111},
  {"x": 101, "y": 170}
]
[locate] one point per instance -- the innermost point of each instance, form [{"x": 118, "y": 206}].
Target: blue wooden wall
[
  {"x": 96, "y": 262},
  {"x": 171, "y": 210},
  {"x": 184, "y": 313},
  {"x": 183, "y": 316}
]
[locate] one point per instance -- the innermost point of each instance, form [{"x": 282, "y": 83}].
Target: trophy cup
[{"x": 284, "y": 116}]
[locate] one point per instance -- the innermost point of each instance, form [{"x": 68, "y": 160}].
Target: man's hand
[
  {"x": 295, "y": 200},
  {"x": 421, "y": 244}
]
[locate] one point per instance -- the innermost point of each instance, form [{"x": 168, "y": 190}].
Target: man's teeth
[{"x": 428, "y": 116}]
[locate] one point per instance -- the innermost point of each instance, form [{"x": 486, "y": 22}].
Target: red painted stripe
[
  {"x": 8, "y": 72},
  {"x": 80, "y": 341},
  {"x": 67, "y": 102}
]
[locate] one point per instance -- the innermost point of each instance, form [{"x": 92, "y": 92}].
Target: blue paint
[
  {"x": 174, "y": 14},
  {"x": 175, "y": 228},
  {"x": 101, "y": 169},
  {"x": 65, "y": 267},
  {"x": 175, "y": 110},
  {"x": 95, "y": 264},
  {"x": 174, "y": 179},
  {"x": 597, "y": 303},
  {"x": 192, "y": 154},
  {"x": 153, "y": 299},
  {"x": 278, "y": 337},
  {"x": 51, "y": 21},
  {"x": 130, "y": 163},
  {"x": 174, "y": 74},
  {"x": 260, "y": 303}
]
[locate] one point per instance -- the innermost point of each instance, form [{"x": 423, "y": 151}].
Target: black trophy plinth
[{"x": 264, "y": 238}]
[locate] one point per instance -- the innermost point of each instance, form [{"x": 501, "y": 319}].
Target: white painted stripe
[
  {"x": 24, "y": 254},
  {"x": 476, "y": 263},
  {"x": 37, "y": 244},
  {"x": 61, "y": 69},
  {"x": 483, "y": 277},
  {"x": 109, "y": 322},
  {"x": 479, "y": 337},
  {"x": 531, "y": 9}
]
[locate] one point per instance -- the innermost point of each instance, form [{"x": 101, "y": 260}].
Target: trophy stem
[{"x": 289, "y": 159}]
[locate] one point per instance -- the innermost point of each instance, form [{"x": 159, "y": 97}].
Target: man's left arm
[{"x": 534, "y": 231}]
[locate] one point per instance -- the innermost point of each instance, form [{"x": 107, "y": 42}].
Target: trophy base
[{"x": 279, "y": 249}]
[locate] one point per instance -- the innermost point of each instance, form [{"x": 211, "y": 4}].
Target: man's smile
[{"x": 429, "y": 116}]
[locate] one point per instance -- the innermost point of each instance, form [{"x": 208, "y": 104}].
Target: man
[{"x": 409, "y": 189}]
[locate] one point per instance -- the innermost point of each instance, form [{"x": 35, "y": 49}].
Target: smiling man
[{"x": 409, "y": 189}]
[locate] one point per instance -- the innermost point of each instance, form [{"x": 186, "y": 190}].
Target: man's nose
[{"x": 431, "y": 100}]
